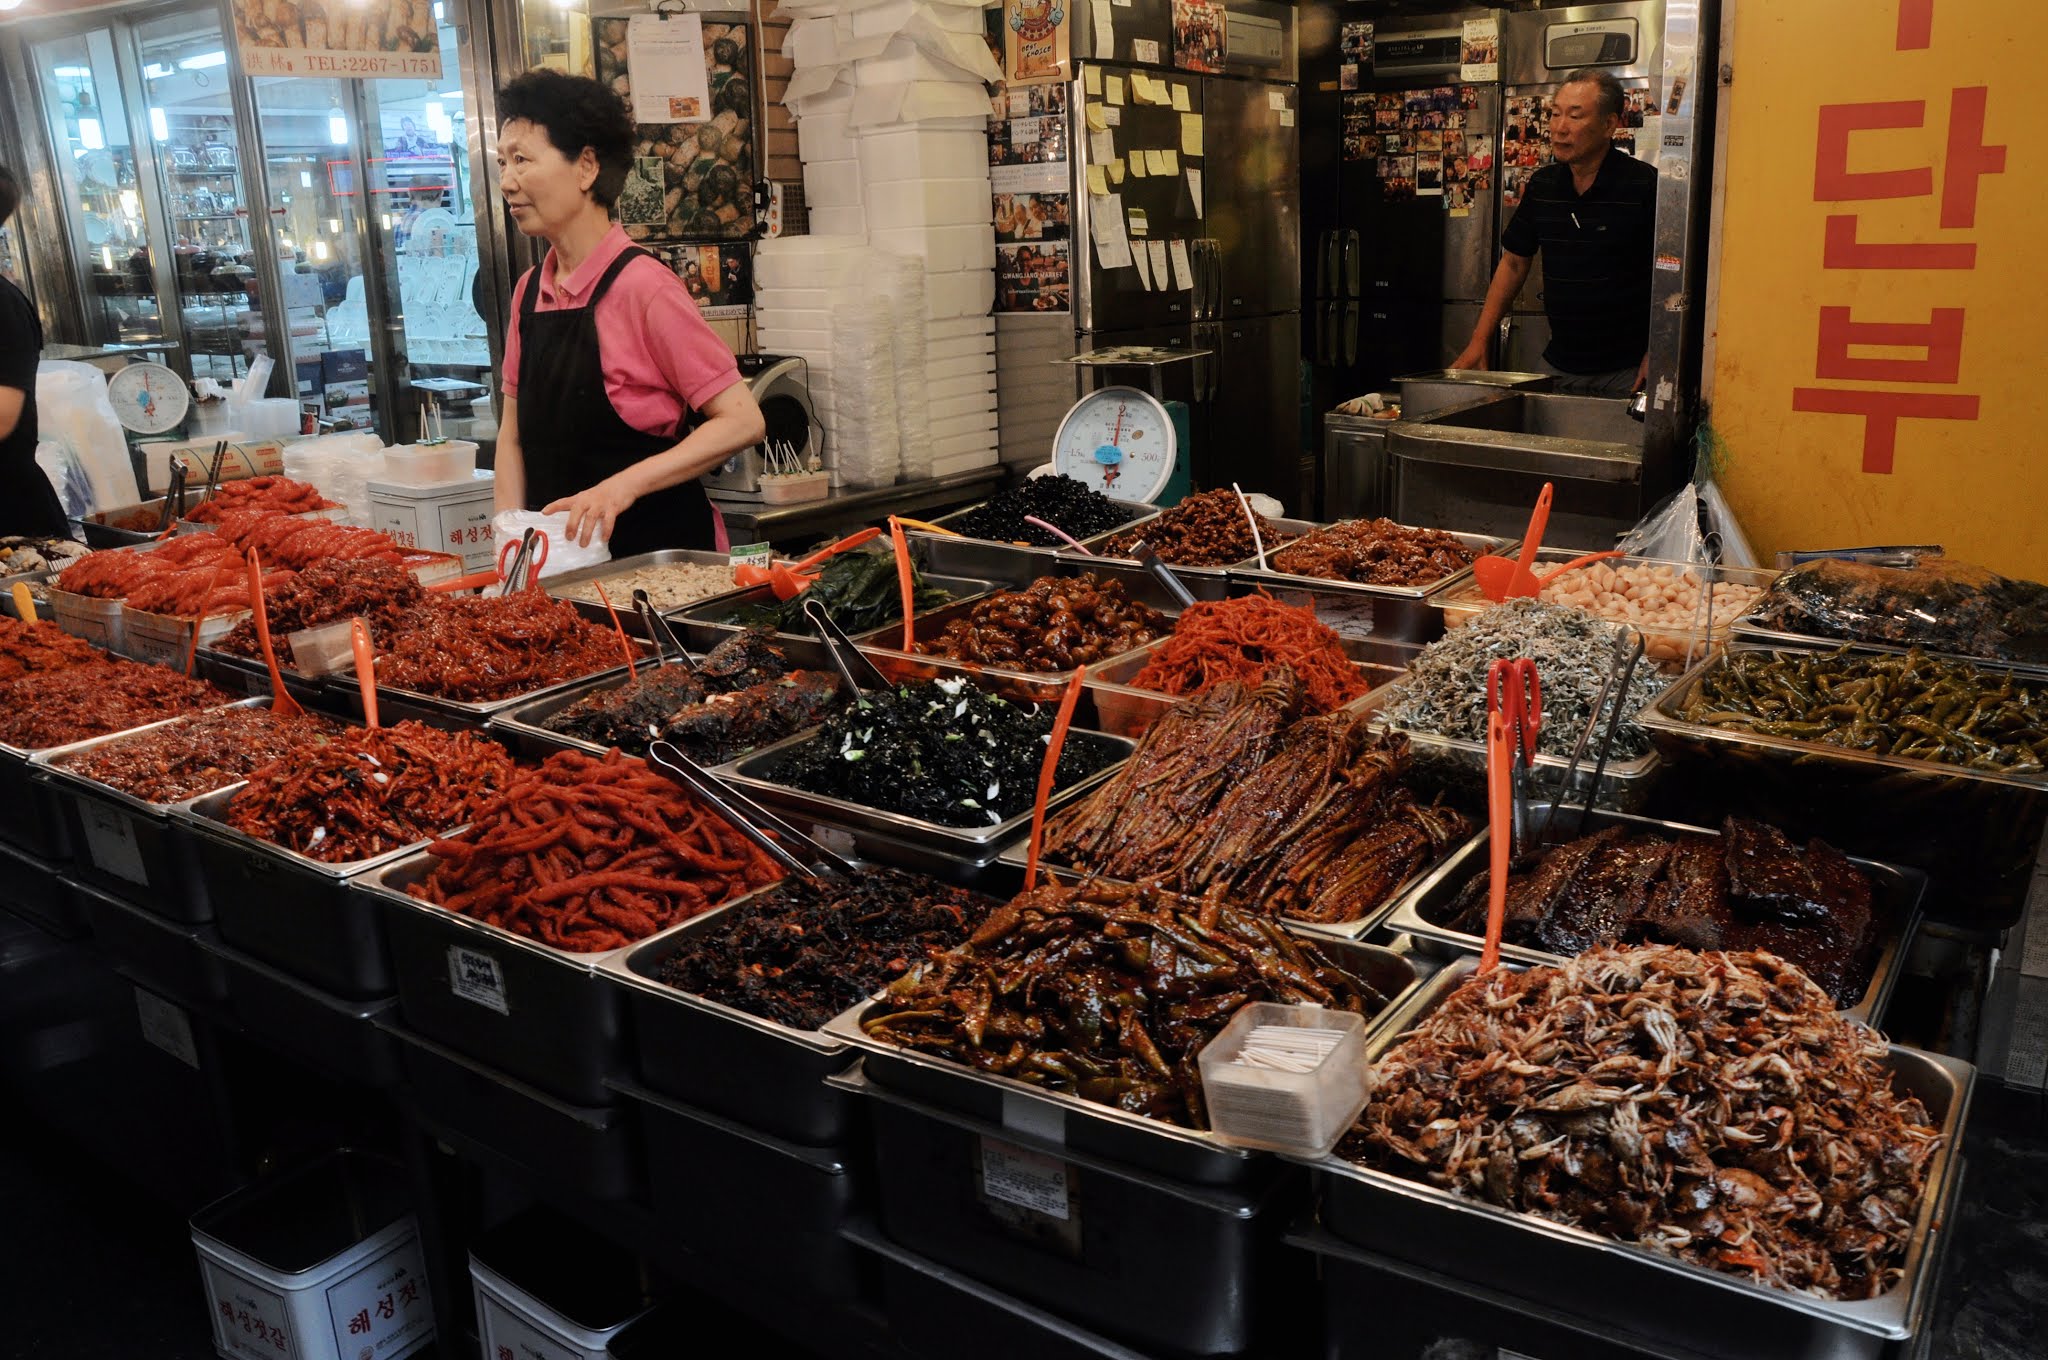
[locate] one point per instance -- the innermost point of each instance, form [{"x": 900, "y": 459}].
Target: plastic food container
[
  {"x": 290, "y": 1269},
  {"x": 1286, "y": 1111},
  {"x": 323, "y": 650},
  {"x": 426, "y": 464},
  {"x": 165, "y": 638}
]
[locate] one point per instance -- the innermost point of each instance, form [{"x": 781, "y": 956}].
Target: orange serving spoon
[
  {"x": 1503, "y": 578},
  {"x": 281, "y": 701},
  {"x": 366, "y": 668}
]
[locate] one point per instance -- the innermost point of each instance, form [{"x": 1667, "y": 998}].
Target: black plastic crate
[
  {"x": 31, "y": 888},
  {"x": 168, "y": 957},
  {"x": 338, "y": 1035}
]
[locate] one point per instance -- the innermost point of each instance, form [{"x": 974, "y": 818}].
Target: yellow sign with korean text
[{"x": 1877, "y": 367}]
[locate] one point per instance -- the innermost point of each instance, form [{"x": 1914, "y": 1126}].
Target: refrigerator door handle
[
  {"x": 1351, "y": 310},
  {"x": 1213, "y": 250},
  {"x": 1327, "y": 267},
  {"x": 1354, "y": 262}
]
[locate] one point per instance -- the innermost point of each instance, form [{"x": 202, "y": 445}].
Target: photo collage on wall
[
  {"x": 720, "y": 278},
  {"x": 1419, "y": 142},
  {"x": 1033, "y": 200},
  {"x": 1525, "y": 137}
]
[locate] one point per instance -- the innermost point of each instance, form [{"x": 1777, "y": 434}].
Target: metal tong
[
  {"x": 174, "y": 499},
  {"x": 1149, "y": 560},
  {"x": 1514, "y": 691},
  {"x": 854, "y": 668},
  {"x": 658, "y": 631},
  {"x": 220, "y": 454},
  {"x": 518, "y": 564},
  {"x": 1627, "y": 673},
  {"x": 1702, "y": 634},
  {"x": 801, "y": 855}
]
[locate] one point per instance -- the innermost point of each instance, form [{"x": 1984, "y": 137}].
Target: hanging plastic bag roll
[
  {"x": 74, "y": 411},
  {"x": 563, "y": 553}
]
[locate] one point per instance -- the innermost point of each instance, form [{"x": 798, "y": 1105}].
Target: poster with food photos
[
  {"x": 401, "y": 38},
  {"x": 1033, "y": 217},
  {"x": 1033, "y": 276},
  {"x": 707, "y": 165}
]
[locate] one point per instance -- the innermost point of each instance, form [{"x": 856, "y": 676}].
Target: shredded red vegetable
[{"x": 1243, "y": 639}]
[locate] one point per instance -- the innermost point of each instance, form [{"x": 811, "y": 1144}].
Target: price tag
[
  {"x": 248, "y": 1319},
  {"x": 475, "y": 976},
  {"x": 381, "y": 1307},
  {"x": 1026, "y": 1179},
  {"x": 756, "y": 554},
  {"x": 166, "y": 1027},
  {"x": 110, "y": 840}
]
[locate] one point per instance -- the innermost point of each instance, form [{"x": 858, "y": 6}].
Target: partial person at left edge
[
  {"x": 28, "y": 504},
  {"x": 607, "y": 359}
]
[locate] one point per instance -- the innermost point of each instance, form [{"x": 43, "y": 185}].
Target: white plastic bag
[
  {"x": 563, "y": 554},
  {"x": 67, "y": 477},
  {"x": 72, "y": 407},
  {"x": 1673, "y": 531},
  {"x": 340, "y": 466}
]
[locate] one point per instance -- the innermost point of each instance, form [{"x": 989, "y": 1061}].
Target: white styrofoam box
[
  {"x": 795, "y": 299},
  {"x": 954, "y": 408},
  {"x": 326, "y": 1302},
  {"x": 794, "y": 318},
  {"x": 451, "y": 517},
  {"x": 968, "y": 292},
  {"x": 932, "y": 55},
  {"x": 968, "y": 385},
  {"x": 819, "y": 260},
  {"x": 968, "y": 348},
  {"x": 851, "y": 221},
  {"x": 959, "y": 326},
  {"x": 945, "y": 465},
  {"x": 954, "y": 445},
  {"x": 960, "y": 366},
  {"x": 941, "y": 248},
  {"x": 891, "y": 154},
  {"x": 974, "y": 424},
  {"x": 823, "y": 137},
  {"x": 883, "y": 19},
  {"x": 815, "y": 346},
  {"x": 832, "y": 184},
  {"x": 932, "y": 203},
  {"x": 921, "y": 101}
]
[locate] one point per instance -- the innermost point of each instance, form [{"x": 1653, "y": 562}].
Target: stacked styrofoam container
[{"x": 891, "y": 123}]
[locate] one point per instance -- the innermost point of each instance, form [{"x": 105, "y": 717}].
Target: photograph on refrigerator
[
  {"x": 1033, "y": 277},
  {"x": 1198, "y": 28}
]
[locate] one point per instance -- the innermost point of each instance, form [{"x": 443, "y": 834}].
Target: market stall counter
[{"x": 847, "y": 508}]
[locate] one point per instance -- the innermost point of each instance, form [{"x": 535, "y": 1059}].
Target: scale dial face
[
  {"x": 148, "y": 398},
  {"x": 1119, "y": 441}
]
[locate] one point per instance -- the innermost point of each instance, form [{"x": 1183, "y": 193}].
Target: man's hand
[
  {"x": 1474, "y": 356},
  {"x": 594, "y": 511}
]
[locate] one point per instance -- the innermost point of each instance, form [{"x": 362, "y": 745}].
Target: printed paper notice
[
  {"x": 1157, "y": 250},
  {"x": 665, "y": 53},
  {"x": 1106, "y": 226},
  {"x": 1479, "y": 57},
  {"x": 1183, "y": 272},
  {"x": 1144, "y": 263},
  {"x": 1145, "y": 50},
  {"x": 1098, "y": 182},
  {"x": 1025, "y": 1179},
  {"x": 1191, "y": 134},
  {"x": 1091, "y": 81},
  {"x": 1105, "y": 29},
  {"x": 1180, "y": 99},
  {"x": 1113, "y": 89},
  {"x": 1102, "y": 146},
  {"x": 1195, "y": 188}
]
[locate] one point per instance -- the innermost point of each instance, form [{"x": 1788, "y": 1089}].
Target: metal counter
[{"x": 845, "y": 508}]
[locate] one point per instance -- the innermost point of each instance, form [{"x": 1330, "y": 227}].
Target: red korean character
[
  {"x": 1966, "y": 160},
  {"x": 227, "y": 1310},
  {"x": 277, "y": 1338},
  {"x": 1916, "y": 25},
  {"x": 505, "y": 1353},
  {"x": 455, "y": 537},
  {"x": 409, "y": 1293},
  {"x": 360, "y": 1323},
  {"x": 387, "y": 1308},
  {"x": 247, "y": 1325},
  {"x": 1940, "y": 337}
]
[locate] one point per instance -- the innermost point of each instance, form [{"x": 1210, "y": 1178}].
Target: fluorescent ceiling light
[
  {"x": 205, "y": 61},
  {"x": 90, "y": 136},
  {"x": 71, "y": 72},
  {"x": 156, "y": 70},
  {"x": 337, "y": 128},
  {"x": 159, "y": 126}
]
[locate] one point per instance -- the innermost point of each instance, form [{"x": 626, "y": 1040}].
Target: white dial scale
[
  {"x": 1119, "y": 441},
  {"x": 148, "y": 398}
]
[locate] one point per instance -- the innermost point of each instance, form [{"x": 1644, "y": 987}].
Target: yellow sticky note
[
  {"x": 1091, "y": 80},
  {"x": 1152, "y": 166},
  {"x": 1180, "y": 98},
  {"x": 1138, "y": 166},
  {"x": 1191, "y": 134},
  {"x": 1169, "y": 162},
  {"x": 1098, "y": 182},
  {"x": 1149, "y": 91},
  {"x": 1096, "y": 122},
  {"x": 1116, "y": 171},
  {"x": 1113, "y": 89}
]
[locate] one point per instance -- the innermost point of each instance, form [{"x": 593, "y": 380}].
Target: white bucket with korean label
[
  {"x": 291, "y": 1274},
  {"x": 578, "y": 1291},
  {"x": 512, "y": 1322}
]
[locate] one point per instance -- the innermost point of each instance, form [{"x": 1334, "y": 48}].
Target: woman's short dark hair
[
  {"x": 10, "y": 194},
  {"x": 576, "y": 112},
  {"x": 1607, "y": 90}
]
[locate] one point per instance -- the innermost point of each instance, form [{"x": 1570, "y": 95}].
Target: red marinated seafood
[
  {"x": 279, "y": 495},
  {"x": 29, "y": 648},
  {"x": 1245, "y": 639},
  {"x": 207, "y": 752},
  {"x": 477, "y": 648},
  {"x": 58, "y": 708}
]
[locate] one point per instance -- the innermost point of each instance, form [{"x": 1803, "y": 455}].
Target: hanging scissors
[{"x": 1514, "y": 692}]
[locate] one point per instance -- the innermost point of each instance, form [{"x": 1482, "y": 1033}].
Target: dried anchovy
[
  {"x": 808, "y": 948},
  {"x": 1708, "y": 1107},
  {"x": 669, "y": 586},
  {"x": 1444, "y": 691},
  {"x": 1108, "y": 992},
  {"x": 1916, "y": 706}
]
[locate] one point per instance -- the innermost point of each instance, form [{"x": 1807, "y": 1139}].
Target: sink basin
[{"x": 1603, "y": 420}]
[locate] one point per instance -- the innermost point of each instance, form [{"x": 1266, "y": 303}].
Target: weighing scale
[
  {"x": 149, "y": 398},
  {"x": 1122, "y": 441}
]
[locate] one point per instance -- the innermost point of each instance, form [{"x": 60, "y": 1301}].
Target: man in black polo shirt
[
  {"x": 27, "y": 504},
  {"x": 1593, "y": 213}
]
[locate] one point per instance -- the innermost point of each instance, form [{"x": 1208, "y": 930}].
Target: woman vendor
[{"x": 607, "y": 354}]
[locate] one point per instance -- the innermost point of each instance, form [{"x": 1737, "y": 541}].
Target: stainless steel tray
[
  {"x": 629, "y": 617},
  {"x": 100, "y": 533},
  {"x": 34, "y": 580},
  {"x": 982, "y": 559},
  {"x": 1272, "y": 577},
  {"x": 1747, "y": 630},
  {"x": 394, "y": 703},
  {"x": 1630, "y": 1286},
  {"x": 529, "y": 716},
  {"x": 700, "y": 630},
  {"x": 1458, "y": 767},
  {"x": 1122, "y": 706},
  {"x": 1191, "y": 1155},
  {"x": 977, "y": 844},
  {"x": 1895, "y": 902},
  {"x": 1133, "y": 512},
  {"x": 1290, "y": 528}
]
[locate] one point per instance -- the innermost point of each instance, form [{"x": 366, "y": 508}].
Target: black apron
[{"x": 571, "y": 437}]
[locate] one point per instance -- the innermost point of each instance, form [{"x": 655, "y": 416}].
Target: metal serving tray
[
  {"x": 527, "y": 719},
  {"x": 977, "y": 844},
  {"x": 121, "y": 843},
  {"x": 1400, "y": 613},
  {"x": 982, "y": 559},
  {"x": 629, "y": 617},
  {"x": 1457, "y": 767},
  {"x": 1593, "y": 1275},
  {"x": 1747, "y": 630},
  {"x": 1133, "y": 512},
  {"x": 394, "y": 704},
  {"x": 34, "y": 580},
  {"x": 248, "y": 675},
  {"x": 1895, "y": 902},
  {"x": 163, "y": 956},
  {"x": 1975, "y": 832},
  {"x": 699, "y": 631},
  {"x": 100, "y": 532},
  {"x": 1122, "y": 706},
  {"x": 534, "y": 1012},
  {"x": 1088, "y": 1128},
  {"x": 1291, "y": 528}
]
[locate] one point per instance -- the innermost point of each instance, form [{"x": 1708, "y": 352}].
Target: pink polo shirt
[{"x": 660, "y": 358}]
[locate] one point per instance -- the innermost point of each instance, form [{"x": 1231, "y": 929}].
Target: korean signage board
[
  {"x": 1875, "y": 371},
  {"x": 357, "y": 39}
]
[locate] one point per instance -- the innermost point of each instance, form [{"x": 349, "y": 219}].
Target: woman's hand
[{"x": 594, "y": 511}]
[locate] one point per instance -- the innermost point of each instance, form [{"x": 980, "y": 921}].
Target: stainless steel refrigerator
[{"x": 1233, "y": 284}]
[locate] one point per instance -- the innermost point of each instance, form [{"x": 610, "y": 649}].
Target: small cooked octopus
[{"x": 1054, "y": 624}]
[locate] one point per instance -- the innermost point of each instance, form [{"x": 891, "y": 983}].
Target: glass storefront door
[{"x": 99, "y": 169}]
